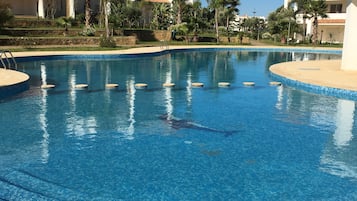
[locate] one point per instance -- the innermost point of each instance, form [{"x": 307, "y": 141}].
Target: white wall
[{"x": 350, "y": 40}]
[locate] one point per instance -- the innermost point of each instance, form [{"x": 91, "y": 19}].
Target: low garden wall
[
  {"x": 65, "y": 41},
  {"x": 149, "y": 35},
  {"x": 58, "y": 36},
  {"x": 236, "y": 40},
  {"x": 30, "y": 32}
]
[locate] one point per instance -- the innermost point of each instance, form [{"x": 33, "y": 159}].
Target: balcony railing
[{"x": 336, "y": 15}]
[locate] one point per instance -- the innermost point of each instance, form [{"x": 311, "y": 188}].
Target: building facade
[
  {"x": 50, "y": 8},
  {"x": 330, "y": 29}
]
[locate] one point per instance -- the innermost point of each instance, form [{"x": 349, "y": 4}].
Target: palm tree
[
  {"x": 119, "y": 10},
  {"x": 193, "y": 15},
  {"x": 107, "y": 11},
  {"x": 314, "y": 10},
  {"x": 218, "y": 5},
  {"x": 179, "y": 5},
  {"x": 215, "y": 5},
  {"x": 231, "y": 10},
  {"x": 133, "y": 14},
  {"x": 87, "y": 13},
  {"x": 280, "y": 21},
  {"x": 301, "y": 4},
  {"x": 161, "y": 16}
]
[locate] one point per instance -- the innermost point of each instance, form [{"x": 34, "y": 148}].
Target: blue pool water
[{"x": 182, "y": 143}]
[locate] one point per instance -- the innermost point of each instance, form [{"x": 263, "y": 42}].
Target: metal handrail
[
  {"x": 2, "y": 61},
  {"x": 164, "y": 44},
  {"x": 9, "y": 57}
]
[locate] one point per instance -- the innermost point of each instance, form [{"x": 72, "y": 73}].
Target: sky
[{"x": 261, "y": 7}]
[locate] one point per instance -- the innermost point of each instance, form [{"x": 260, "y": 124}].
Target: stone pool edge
[{"x": 319, "y": 76}]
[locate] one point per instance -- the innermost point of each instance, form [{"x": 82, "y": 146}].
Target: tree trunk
[
  {"x": 87, "y": 14},
  {"x": 216, "y": 24},
  {"x": 179, "y": 10},
  {"x": 227, "y": 25},
  {"x": 304, "y": 25},
  {"x": 315, "y": 30},
  {"x": 106, "y": 20}
]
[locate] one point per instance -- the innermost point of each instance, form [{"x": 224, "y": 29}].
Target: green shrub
[
  {"x": 5, "y": 13},
  {"x": 266, "y": 35},
  {"x": 107, "y": 42},
  {"x": 64, "y": 22},
  {"x": 181, "y": 29},
  {"x": 88, "y": 31}
]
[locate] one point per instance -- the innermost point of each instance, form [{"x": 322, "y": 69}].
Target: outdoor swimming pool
[{"x": 182, "y": 143}]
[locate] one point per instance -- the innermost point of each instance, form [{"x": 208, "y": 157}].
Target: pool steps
[
  {"x": 274, "y": 83},
  {"x": 48, "y": 86},
  {"x": 224, "y": 84},
  {"x": 32, "y": 186},
  {"x": 249, "y": 84},
  {"x": 197, "y": 84},
  {"x": 169, "y": 84},
  {"x": 166, "y": 85},
  {"x": 81, "y": 86},
  {"x": 111, "y": 86},
  {"x": 141, "y": 85}
]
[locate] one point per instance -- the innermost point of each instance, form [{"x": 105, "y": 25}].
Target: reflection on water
[
  {"x": 43, "y": 117},
  {"x": 303, "y": 56},
  {"x": 344, "y": 123},
  {"x": 277, "y": 57},
  {"x": 279, "y": 101},
  {"x": 168, "y": 95},
  {"x": 129, "y": 134},
  {"x": 275, "y": 123},
  {"x": 339, "y": 156},
  {"x": 77, "y": 125},
  {"x": 189, "y": 89}
]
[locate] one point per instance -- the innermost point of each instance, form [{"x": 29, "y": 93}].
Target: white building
[
  {"x": 330, "y": 29},
  {"x": 50, "y": 8}
]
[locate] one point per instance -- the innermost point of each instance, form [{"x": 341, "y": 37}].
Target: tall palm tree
[
  {"x": 301, "y": 4},
  {"x": 87, "y": 13},
  {"x": 161, "y": 16},
  {"x": 280, "y": 22},
  {"x": 179, "y": 5},
  {"x": 231, "y": 10},
  {"x": 314, "y": 10},
  {"x": 215, "y": 5},
  {"x": 107, "y": 10},
  {"x": 193, "y": 15}
]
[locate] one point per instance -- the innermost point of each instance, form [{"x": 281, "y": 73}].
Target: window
[{"x": 336, "y": 8}]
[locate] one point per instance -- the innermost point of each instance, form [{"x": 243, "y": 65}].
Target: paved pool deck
[
  {"x": 11, "y": 77},
  {"x": 325, "y": 73}
]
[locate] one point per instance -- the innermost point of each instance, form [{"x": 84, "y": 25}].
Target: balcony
[{"x": 336, "y": 16}]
